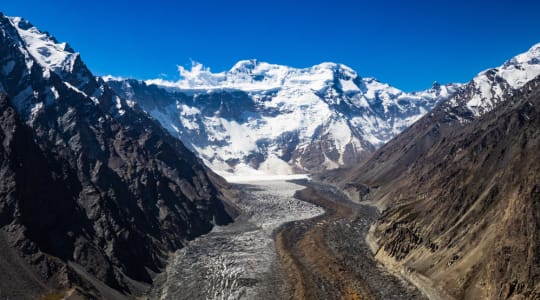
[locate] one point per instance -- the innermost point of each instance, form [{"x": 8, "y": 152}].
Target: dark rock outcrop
[{"x": 94, "y": 193}]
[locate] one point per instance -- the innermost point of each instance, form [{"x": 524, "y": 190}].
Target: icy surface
[
  {"x": 45, "y": 49},
  {"x": 237, "y": 261},
  {"x": 262, "y": 178},
  {"x": 260, "y": 119},
  {"x": 489, "y": 87},
  {"x": 522, "y": 68}
]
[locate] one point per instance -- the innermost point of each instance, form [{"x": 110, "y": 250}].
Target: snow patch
[
  {"x": 118, "y": 105},
  {"x": 522, "y": 68},
  {"x": 108, "y": 78},
  {"x": 348, "y": 86},
  {"x": 70, "y": 86},
  {"x": 36, "y": 108}
]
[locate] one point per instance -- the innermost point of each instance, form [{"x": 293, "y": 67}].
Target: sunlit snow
[
  {"x": 516, "y": 72},
  {"x": 44, "y": 49},
  {"x": 292, "y": 105}
]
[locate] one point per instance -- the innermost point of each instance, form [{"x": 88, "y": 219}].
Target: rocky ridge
[
  {"x": 459, "y": 189},
  {"x": 94, "y": 192}
]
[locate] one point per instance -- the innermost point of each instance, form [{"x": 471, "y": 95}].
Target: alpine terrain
[
  {"x": 93, "y": 192},
  {"x": 260, "y": 119},
  {"x": 460, "y": 189},
  {"x": 111, "y": 188}
]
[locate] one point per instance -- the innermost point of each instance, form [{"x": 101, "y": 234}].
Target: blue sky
[{"x": 408, "y": 44}]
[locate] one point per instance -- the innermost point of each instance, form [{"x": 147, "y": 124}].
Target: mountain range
[
  {"x": 460, "y": 188},
  {"x": 259, "y": 118},
  {"x": 101, "y": 177}
]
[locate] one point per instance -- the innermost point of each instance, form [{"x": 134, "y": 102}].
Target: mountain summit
[
  {"x": 492, "y": 86},
  {"x": 261, "y": 118}
]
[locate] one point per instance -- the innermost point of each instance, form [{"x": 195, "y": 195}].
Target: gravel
[{"x": 237, "y": 261}]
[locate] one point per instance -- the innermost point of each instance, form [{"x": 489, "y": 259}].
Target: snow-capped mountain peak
[
  {"x": 522, "y": 68},
  {"x": 490, "y": 87},
  {"x": 37, "y": 70},
  {"x": 245, "y": 66},
  {"x": 530, "y": 57},
  {"x": 72, "y": 149},
  {"x": 266, "y": 118},
  {"x": 253, "y": 75},
  {"x": 46, "y": 50}
]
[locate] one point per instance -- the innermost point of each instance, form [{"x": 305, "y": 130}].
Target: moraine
[{"x": 238, "y": 260}]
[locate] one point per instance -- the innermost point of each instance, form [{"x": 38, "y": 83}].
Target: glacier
[{"x": 262, "y": 119}]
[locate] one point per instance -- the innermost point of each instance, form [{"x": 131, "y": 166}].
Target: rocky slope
[
  {"x": 460, "y": 188},
  {"x": 93, "y": 192},
  {"x": 260, "y": 118}
]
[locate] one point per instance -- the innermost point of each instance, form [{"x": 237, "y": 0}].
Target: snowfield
[
  {"x": 237, "y": 261},
  {"x": 266, "y": 119},
  {"x": 262, "y": 179}
]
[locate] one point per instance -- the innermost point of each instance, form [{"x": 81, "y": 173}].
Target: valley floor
[
  {"x": 327, "y": 257},
  {"x": 282, "y": 247},
  {"x": 237, "y": 261}
]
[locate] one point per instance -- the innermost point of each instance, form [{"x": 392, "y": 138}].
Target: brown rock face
[{"x": 462, "y": 198}]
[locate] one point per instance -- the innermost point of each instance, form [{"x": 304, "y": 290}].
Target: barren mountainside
[
  {"x": 103, "y": 179},
  {"x": 460, "y": 190},
  {"x": 94, "y": 193}
]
